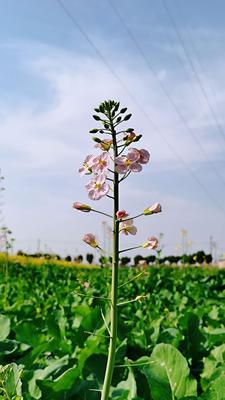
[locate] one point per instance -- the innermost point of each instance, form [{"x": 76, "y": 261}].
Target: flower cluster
[
  {"x": 97, "y": 187},
  {"x": 132, "y": 161},
  {"x": 99, "y": 167}
]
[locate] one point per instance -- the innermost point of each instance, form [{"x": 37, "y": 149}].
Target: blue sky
[{"x": 52, "y": 77}]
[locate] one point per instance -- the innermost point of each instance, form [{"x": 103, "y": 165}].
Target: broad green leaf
[
  {"x": 168, "y": 374},
  {"x": 30, "y": 333},
  {"x": 60, "y": 388},
  {"x": 126, "y": 390},
  {"x": 215, "y": 360},
  {"x": 10, "y": 377},
  {"x": 12, "y": 347},
  {"x": 41, "y": 374},
  {"x": 190, "y": 398},
  {"x": 170, "y": 336},
  {"x": 191, "y": 345},
  {"x": 216, "y": 336},
  {"x": 4, "y": 327},
  {"x": 216, "y": 390}
]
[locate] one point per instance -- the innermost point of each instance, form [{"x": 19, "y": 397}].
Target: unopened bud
[
  {"x": 154, "y": 209},
  {"x": 82, "y": 207}
]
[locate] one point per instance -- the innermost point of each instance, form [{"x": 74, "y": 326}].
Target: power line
[
  {"x": 204, "y": 92},
  {"x": 133, "y": 98},
  {"x": 196, "y": 54},
  {"x": 165, "y": 90}
]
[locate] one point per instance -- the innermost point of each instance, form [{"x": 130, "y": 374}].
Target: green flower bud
[
  {"x": 96, "y": 139},
  {"x": 127, "y": 117},
  {"x": 93, "y": 130},
  {"x": 123, "y": 110},
  {"x": 96, "y": 117}
]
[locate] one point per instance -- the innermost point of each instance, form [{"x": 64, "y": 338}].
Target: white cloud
[{"x": 53, "y": 140}]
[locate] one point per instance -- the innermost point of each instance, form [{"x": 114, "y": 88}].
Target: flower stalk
[
  {"x": 113, "y": 161},
  {"x": 114, "y": 281}
]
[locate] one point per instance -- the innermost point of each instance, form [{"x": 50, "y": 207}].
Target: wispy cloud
[{"x": 40, "y": 145}]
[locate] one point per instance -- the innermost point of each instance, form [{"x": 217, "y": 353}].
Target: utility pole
[
  {"x": 38, "y": 245},
  {"x": 184, "y": 235},
  {"x": 213, "y": 248}
]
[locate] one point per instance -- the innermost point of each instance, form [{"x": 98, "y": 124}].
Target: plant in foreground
[{"x": 108, "y": 171}]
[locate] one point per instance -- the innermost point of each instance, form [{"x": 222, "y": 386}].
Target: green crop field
[{"x": 53, "y": 339}]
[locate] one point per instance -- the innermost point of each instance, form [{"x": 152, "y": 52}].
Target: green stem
[
  {"x": 130, "y": 248},
  {"x": 101, "y": 212},
  {"x": 114, "y": 281}
]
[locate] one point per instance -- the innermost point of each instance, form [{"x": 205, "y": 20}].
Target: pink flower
[
  {"x": 129, "y": 162},
  {"x": 133, "y": 160},
  {"x": 104, "y": 145},
  {"x": 152, "y": 243},
  {"x": 127, "y": 227},
  {"x": 86, "y": 169},
  {"x": 100, "y": 163},
  {"x": 121, "y": 214},
  {"x": 144, "y": 156},
  {"x": 97, "y": 187},
  {"x": 90, "y": 239},
  {"x": 82, "y": 207},
  {"x": 154, "y": 209}
]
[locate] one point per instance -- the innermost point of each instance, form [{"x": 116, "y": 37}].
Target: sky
[{"x": 164, "y": 60}]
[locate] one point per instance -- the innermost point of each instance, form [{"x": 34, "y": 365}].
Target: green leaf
[
  {"x": 41, "y": 374},
  {"x": 215, "y": 360},
  {"x": 121, "y": 350},
  {"x": 191, "y": 345},
  {"x": 10, "y": 376},
  {"x": 168, "y": 374},
  {"x": 215, "y": 336},
  {"x": 126, "y": 390},
  {"x": 12, "y": 347},
  {"x": 30, "y": 333},
  {"x": 216, "y": 390},
  {"x": 4, "y": 327},
  {"x": 190, "y": 398},
  {"x": 170, "y": 336},
  {"x": 63, "y": 383}
]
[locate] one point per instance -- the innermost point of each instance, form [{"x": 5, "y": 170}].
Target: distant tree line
[
  {"x": 48, "y": 256},
  {"x": 199, "y": 257}
]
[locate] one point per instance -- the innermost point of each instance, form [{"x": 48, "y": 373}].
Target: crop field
[{"x": 53, "y": 335}]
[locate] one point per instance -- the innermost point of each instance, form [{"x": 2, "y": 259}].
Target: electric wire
[
  {"x": 202, "y": 88},
  {"x": 133, "y": 98},
  {"x": 166, "y": 91},
  {"x": 197, "y": 56}
]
